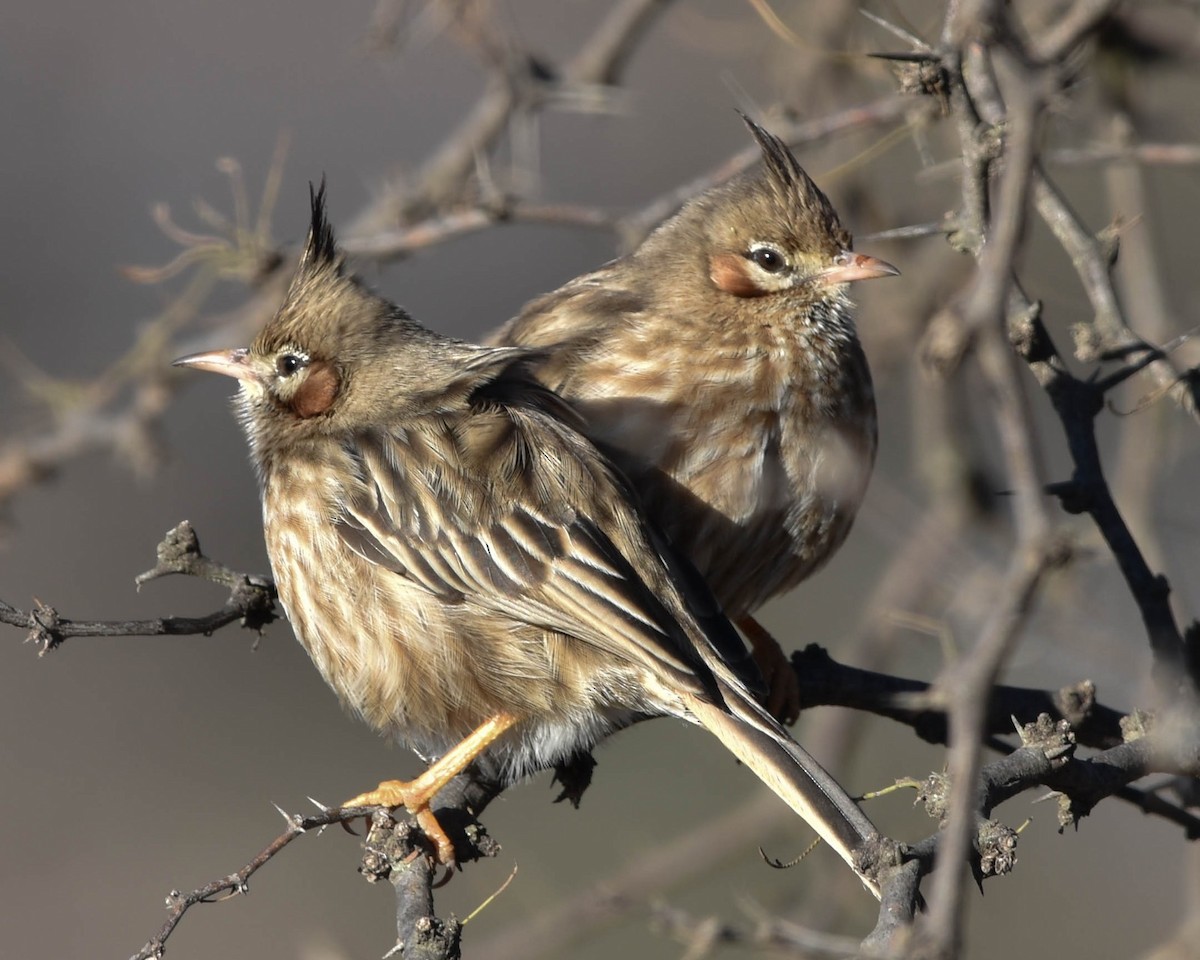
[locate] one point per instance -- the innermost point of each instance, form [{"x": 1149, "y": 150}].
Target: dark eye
[
  {"x": 768, "y": 258},
  {"x": 289, "y": 363}
]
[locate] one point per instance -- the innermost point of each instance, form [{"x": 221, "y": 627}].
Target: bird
[
  {"x": 466, "y": 569},
  {"x": 718, "y": 364}
]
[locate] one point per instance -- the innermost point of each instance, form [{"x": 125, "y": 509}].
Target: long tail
[{"x": 754, "y": 737}]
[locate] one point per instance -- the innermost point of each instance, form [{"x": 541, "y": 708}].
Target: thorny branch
[
  {"x": 981, "y": 40},
  {"x": 394, "y": 850},
  {"x": 397, "y": 852},
  {"x": 251, "y": 601},
  {"x": 1079, "y": 402}
]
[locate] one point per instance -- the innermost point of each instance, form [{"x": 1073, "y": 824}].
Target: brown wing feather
[
  {"x": 551, "y": 565},
  {"x": 572, "y": 321}
]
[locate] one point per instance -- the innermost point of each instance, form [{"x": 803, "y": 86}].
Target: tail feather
[{"x": 754, "y": 737}]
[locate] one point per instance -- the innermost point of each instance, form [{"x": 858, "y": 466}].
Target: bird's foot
[
  {"x": 414, "y": 796},
  {"x": 783, "y": 687}
]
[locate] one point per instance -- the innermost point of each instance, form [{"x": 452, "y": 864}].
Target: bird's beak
[
  {"x": 851, "y": 266},
  {"x": 232, "y": 363}
]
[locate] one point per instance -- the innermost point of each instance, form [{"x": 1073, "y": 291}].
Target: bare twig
[
  {"x": 235, "y": 883},
  {"x": 399, "y": 243},
  {"x": 251, "y": 601},
  {"x": 517, "y": 88},
  {"x": 981, "y": 313},
  {"x": 921, "y": 706},
  {"x": 394, "y": 850},
  {"x": 634, "y": 227}
]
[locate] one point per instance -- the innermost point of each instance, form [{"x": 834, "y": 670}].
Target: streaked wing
[
  {"x": 518, "y": 547},
  {"x": 570, "y": 321}
]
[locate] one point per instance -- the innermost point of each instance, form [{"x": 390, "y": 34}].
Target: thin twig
[{"x": 251, "y": 601}]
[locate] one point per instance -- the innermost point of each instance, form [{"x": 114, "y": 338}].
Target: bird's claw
[{"x": 403, "y": 793}]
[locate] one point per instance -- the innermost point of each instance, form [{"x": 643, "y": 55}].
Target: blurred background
[{"x": 135, "y": 766}]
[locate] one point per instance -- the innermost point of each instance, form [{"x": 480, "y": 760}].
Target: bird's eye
[
  {"x": 768, "y": 258},
  {"x": 289, "y": 363}
]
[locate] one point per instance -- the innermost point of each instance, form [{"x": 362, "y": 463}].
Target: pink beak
[
  {"x": 231, "y": 363},
  {"x": 850, "y": 266}
]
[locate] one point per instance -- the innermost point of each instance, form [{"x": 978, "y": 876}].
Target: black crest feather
[
  {"x": 777, "y": 157},
  {"x": 321, "y": 248},
  {"x": 787, "y": 175}
]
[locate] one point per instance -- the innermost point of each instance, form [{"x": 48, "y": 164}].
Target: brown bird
[
  {"x": 718, "y": 364},
  {"x": 467, "y": 571}
]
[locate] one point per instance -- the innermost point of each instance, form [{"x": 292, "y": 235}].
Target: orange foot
[
  {"x": 415, "y": 798},
  {"x": 416, "y": 795},
  {"x": 783, "y": 687}
]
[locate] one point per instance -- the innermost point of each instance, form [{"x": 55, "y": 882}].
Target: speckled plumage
[
  {"x": 450, "y": 548},
  {"x": 737, "y": 398}
]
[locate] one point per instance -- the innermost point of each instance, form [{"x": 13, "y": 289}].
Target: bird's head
[
  {"x": 329, "y": 357},
  {"x": 769, "y": 233}
]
